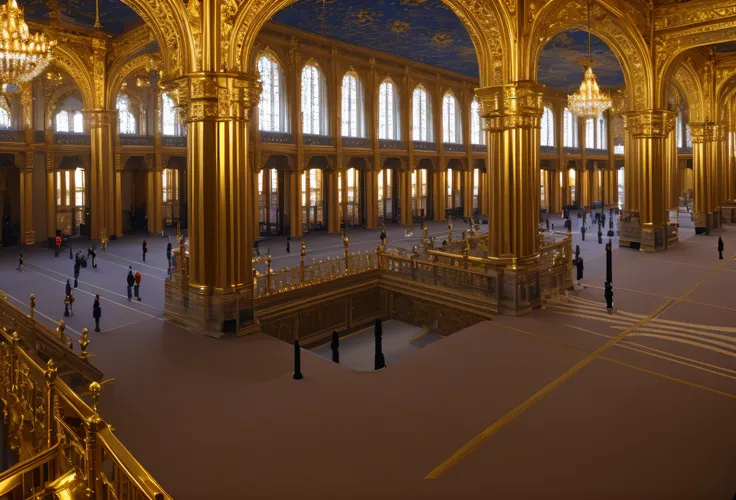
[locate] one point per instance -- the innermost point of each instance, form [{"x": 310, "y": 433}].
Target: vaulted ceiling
[
  {"x": 426, "y": 31},
  {"x": 115, "y": 16},
  {"x": 559, "y": 62}
]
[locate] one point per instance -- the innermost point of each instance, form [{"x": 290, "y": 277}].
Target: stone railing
[
  {"x": 479, "y": 148},
  {"x": 571, "y": 151},
  {"x": 548, "y": 150},
  {"x": 356, "y": 142},
  {"x": 174, "y": 141},
  {"x": 12, "y": 136},
  {"x": 72, "y": 139},
  {"x": 62, "y": 444},
  {"x": 317, "y": 140},
  {"x": 391, "y": 144},
  {"x": 451, "y": 147},
  {"x": 596, "y": 152},
  {"x": 136, "y": 140},
  {"x": 424, "y": 146},
  {"x": 276, "y": 138}
]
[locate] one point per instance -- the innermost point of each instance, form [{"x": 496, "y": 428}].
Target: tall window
[
  {"x": 421, "y": 110},
  {"x": 170, "y": 182},
  {"x": 595, "y": 133},
  {"x": 314, "y": 116},
  {"x": 570, "y": 123},
  {"x": 126, "y": 120},
  {"x": 388, "y": 111},
  {"x": 69, "y": 121},
  {"x": 477, "y": 136},
  {"x": 4, "y": 119},
  {"x": 271, "y": 116},
  {"x": 548, "y": 127},
  {"x": 352, "y": 106},
  {"x": 79, "y": 187},
  {"x": 451, "y": 128},
  {"x": 678, "y": 128},
  {"x": 170, "y": 124}
]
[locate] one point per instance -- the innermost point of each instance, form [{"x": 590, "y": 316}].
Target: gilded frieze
[{"x": 650, "y": 123}]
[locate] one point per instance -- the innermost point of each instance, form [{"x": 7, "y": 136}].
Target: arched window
[
  {"x": 451, "y": 125},
  {"x": 126, "y": 120},
  {"x": 78, "y": 122},
  {"x": 678, "y": 128},
  {"x": 421, "y": 116},
  {"x": 272, "y": 115},
  {"x": 570, "y": 123},
  {"x": 4, "y": 119},
  {"x": 170, "y": 124},
  {"x": 314, "y": 101},
  {"x": 477, "y": 135},
  {"x": 62, "y": 121},
  {"x": 388, "y": 112},
  {"x": 548, "y": 127},
  {"x": 352, "y": 106}
]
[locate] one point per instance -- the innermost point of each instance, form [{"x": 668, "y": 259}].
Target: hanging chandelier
[
  {"x": 23, "y": 56},
  {"x": 588, "y": 101}
]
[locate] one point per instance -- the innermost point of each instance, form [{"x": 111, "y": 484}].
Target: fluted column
[
  {"x": 704, "y": 156},
  {"x": 467, "y": 193},
  {"x": 439, "y": 193},
  {"x": 513, "y": 112},
  {"x": 672, "y": 197},
  {"x": 405, "y": 197},
  {"x": 483, "y": 193},
  {"x": 294, "y": 191},
  {"x": 649, "y": 130},
  {"x": 371, "y": 198},
  {"x": 631, "y": 169},
  {"x": 154, "y": 197},
  {"x": 102, "y": 172},
  {"x": 333, "y": 201}
]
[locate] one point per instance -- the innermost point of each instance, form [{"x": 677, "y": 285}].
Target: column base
[
  {"x": 214, "y": 314},
  {"x": 519, "y": 290},
  {"x": 653, "y": 238},
  {"x": 703, "y": 223}
]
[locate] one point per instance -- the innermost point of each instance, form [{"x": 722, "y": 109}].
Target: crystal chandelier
[
  {"x": 22, "y": 56},
  {"x": 588, "y": 101}
]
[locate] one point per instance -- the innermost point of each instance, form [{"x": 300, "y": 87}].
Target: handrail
[{"x": 12, "y": 477}]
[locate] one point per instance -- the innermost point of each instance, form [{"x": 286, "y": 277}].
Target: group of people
[{"x": 134, "y": 284}]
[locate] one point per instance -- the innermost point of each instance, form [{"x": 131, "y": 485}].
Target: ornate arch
[
  {"x": 490, "y": 24},
  {"x": 117, "y": 77},
  {"x": 687, "y": 80},
  {"x": 70, "y": 62},
  {"x": 169, "y": 21},
  {"x": 621, "y": 35}
]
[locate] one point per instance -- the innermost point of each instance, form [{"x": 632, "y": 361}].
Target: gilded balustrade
[{"x": 58, "y": 436}]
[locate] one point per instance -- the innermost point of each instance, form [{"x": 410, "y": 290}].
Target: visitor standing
[
  {"x": 97, "y": 312},
  {"x": 93, "y": 255},
  {"x": 720, "y": 248},
  {"x": 145, "y": 249},
  {"x": 131, "y": 282},
  {"x": 137, "y": 286},
  {"x": 58, "y": 246},
  {"x": 20, "y": 262},
  {"x": 168, "y": 253}
]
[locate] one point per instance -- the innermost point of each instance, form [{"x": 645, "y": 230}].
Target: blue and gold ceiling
[
  {"x": 115, "y": 16},
  {"x": 559, "y": 66},
  {"x": 426, "y": 31}
]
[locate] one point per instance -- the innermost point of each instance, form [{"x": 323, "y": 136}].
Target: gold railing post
[
  {"x": 345, "y": 243},
  {"x": 301, "y": 267},
  {"x": 92, "y": 459},
  {"x": 449, "y": 229},
  {"x": 269, "y": 273},
  {"x": 83, "y": 343},
  {"x": 50, "y": 376},
  {"x": 33, "y": 306},
  {"x": 60, "y": 330}
]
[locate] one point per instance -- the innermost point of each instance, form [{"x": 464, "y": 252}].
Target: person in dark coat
[
  {"x": 288, "y": 244},
  {"x": 579, "y": 266},
  {"x": 608, "y": 294},
  {"x": 68, "y": 289},
  {"x": 335, "y": 346},
  {"x": 131, "y": 282},
  {"x": 20, "y": 262},
  {"x": 547, "y": 222},
  {"x": 93, "y": 255},
  {"x": 144, "y": 247},
  {"x": 97, "y": 312},
  {"x": 720, "y": 248},
  {"x": 76, "y": 274},
  {"x": 168, "y": 253},
  {"x": 69, "y": 241},
  {"x": 582, "y": 232}
]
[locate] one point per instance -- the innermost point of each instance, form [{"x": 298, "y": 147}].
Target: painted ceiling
[
  {"x": 558, "y": 62},
  {"x": 115, "y": 16},
  {"x": 426, "y": 31}
]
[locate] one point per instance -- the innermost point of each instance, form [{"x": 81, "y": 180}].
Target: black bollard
[
  {"x": 609, "y": 262},
  {"x": 297, "y": 361},
  {"x": 335, "y": 346},
  {"x": 380, "y": 361},
  {"x": 582, "y": 233}
]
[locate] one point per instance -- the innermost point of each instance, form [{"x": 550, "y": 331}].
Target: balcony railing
[
  {"x": 390, "y": 144},
  {"x": 479, "y": 148},
  {"x": 356, "y": 142},
  {"x": 174, "y": 141},
  {"x": 685, "y": 150},
  {"x": 136, "y": 140},
  {"x": 40, "y": 136},
  {"x": 571, "y": 151},
  {"x": 596, "y": 152},
  {"x": 317, "y": 140},
  {"x": 72, "y": 139},
  {"x": 424, "y": 146},
  {"x": 451, "y": 147},
  {"x": 276, "y": 138},
  {"x": 12, "y": 136},
  {"x": 548, "y": 150}
]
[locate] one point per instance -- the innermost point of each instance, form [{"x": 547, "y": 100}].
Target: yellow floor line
[
  {"x": 691, "y": 332},
  {"x": 590, "y": 331},
  {"x": 518, "y": 410},
  {"x": 629, "y": 290},
  {"x": 609, "y": 319},
  {"x": 684, "y": 341},
  {"x": 643, "y": 349},
  {"x": 695, "y": 325},
  {"x": 599, "y": 307}
]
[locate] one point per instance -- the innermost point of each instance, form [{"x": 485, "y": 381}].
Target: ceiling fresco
[
  {"x": 558, "y": 62},
  {"x": 426, "y": 31},
  {"x": 115, "y": 16}
]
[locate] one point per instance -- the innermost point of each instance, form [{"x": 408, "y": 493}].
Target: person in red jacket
[
  {"x": 137, "y": 286},
  {"x": 58, "y": 246}
]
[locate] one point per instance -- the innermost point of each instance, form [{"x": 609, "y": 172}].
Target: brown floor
[{"x": 649, "y": 417}]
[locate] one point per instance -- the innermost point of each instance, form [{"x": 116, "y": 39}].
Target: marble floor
[{"x": 567, "y": 402}]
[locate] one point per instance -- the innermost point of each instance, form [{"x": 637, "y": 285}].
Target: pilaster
[{"x": 705, "y": 155}]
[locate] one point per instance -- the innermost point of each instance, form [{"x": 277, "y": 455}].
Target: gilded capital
[
  {"x": 97, "y": 118},
  {"x": 704, "y": 132},
  {"x": 650, "y": 123},
  {"x": 218, "y": 96},
  {"x": 515, "y": 105}
]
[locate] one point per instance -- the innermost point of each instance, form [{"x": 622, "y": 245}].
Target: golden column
[
  {"x": 672, "y": 197},
  {"x": 722, "y": 167},
  {"x": 439, "y": 185},
  {"x": 154, "y": 196},
  {"x": 704, "y": 156},
  {"x": 483, "y": 192},
  {"x": 649, "y": 130},
  {"x": 333, "y": 200},
  {"x": 405, "y": 197},
  {"x": 513, "y": 112},
  {"x": 293, "y": 183},
  {"x": 631, "y": 170},
  {"x": 467, "y": 186},
  {"x": 102, "y": 172},
  {"x": 27, "y": 233},
  {"x": 371, "y": 198}
]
